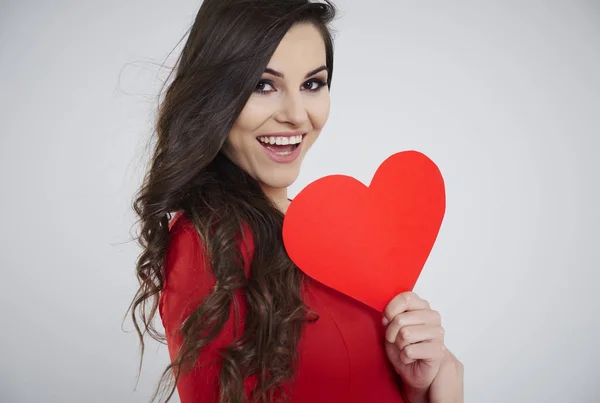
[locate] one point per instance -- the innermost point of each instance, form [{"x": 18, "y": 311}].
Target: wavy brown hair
[{"x": 226, "y": 52}]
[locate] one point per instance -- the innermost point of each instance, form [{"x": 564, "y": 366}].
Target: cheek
[
  {"x": 255, "y": 113},
  {"x": 318, "y": 114},
  {"x": 319, "y": 111}
]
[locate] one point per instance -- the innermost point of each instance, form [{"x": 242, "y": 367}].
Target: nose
[{"x": 293, "y": 110}]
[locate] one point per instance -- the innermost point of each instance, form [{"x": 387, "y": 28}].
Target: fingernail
[{"x": 385, "y": 321}]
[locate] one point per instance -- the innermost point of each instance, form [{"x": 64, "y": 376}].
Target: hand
[{"x": 415, "y": 347}]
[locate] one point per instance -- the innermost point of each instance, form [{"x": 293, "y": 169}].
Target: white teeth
[{"x": 280, "y": 140}]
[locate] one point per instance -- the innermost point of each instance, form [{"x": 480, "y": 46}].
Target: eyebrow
[{"x": 310, "y": 73}]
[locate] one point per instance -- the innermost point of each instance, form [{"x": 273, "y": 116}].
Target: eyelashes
[{"x": 310, "y": 84}]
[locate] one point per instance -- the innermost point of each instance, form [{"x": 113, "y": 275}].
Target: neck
[{"x": 279, "y": 196}]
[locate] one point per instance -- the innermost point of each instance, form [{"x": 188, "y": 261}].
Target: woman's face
[{"x": 286, "y": 112}]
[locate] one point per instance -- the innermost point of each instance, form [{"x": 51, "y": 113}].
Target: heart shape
[{"x": 369, "y": 243}]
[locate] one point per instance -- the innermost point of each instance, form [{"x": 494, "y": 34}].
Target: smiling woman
[
  {"x": 249, "y": 98},
  {"x": 285, "y": 114}
]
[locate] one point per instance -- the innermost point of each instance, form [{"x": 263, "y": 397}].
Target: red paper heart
[{"x": 370, "y": 243}]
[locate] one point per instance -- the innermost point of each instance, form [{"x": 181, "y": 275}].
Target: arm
[{"x": 188, "y": 281}]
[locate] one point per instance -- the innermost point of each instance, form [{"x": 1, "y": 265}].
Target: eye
[
  {"x": 262, "y": 84},
  {"x": 314, "y": 85}
]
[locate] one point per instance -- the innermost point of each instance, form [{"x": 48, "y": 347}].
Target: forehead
[{"x": 301, "y": 49}]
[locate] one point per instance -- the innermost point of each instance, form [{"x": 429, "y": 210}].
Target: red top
[{"x": 341, "y": 355}]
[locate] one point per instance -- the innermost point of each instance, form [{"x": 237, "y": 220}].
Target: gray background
[{"x": 503, "y": 96}]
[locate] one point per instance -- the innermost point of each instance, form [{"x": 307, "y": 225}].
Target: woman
[{"x": 242, "y": 323}]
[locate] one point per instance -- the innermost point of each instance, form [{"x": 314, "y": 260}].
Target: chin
[{"x": 279, "y": 178}]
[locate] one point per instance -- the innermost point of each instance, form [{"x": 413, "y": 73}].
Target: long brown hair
[{"x": 224, "y": 57}]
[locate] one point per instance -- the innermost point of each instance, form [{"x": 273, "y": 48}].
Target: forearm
[
  {"x": 447, "y": 387},
  {"x": 456, "y": 380},
  {"x": 460, "y": 395}
]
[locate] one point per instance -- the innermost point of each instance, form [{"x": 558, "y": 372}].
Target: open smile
[{"x": 282, "y": 148}]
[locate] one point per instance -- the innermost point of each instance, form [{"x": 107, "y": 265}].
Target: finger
[
  {"x": 407, "y": 301},
  {"x": 429, "y": 351},
  {"x": 418, "y": 334},
  {"x": 411, "y": 318}
]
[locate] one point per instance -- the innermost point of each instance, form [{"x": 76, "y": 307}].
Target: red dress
[{"x": 341, "y": 355}]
